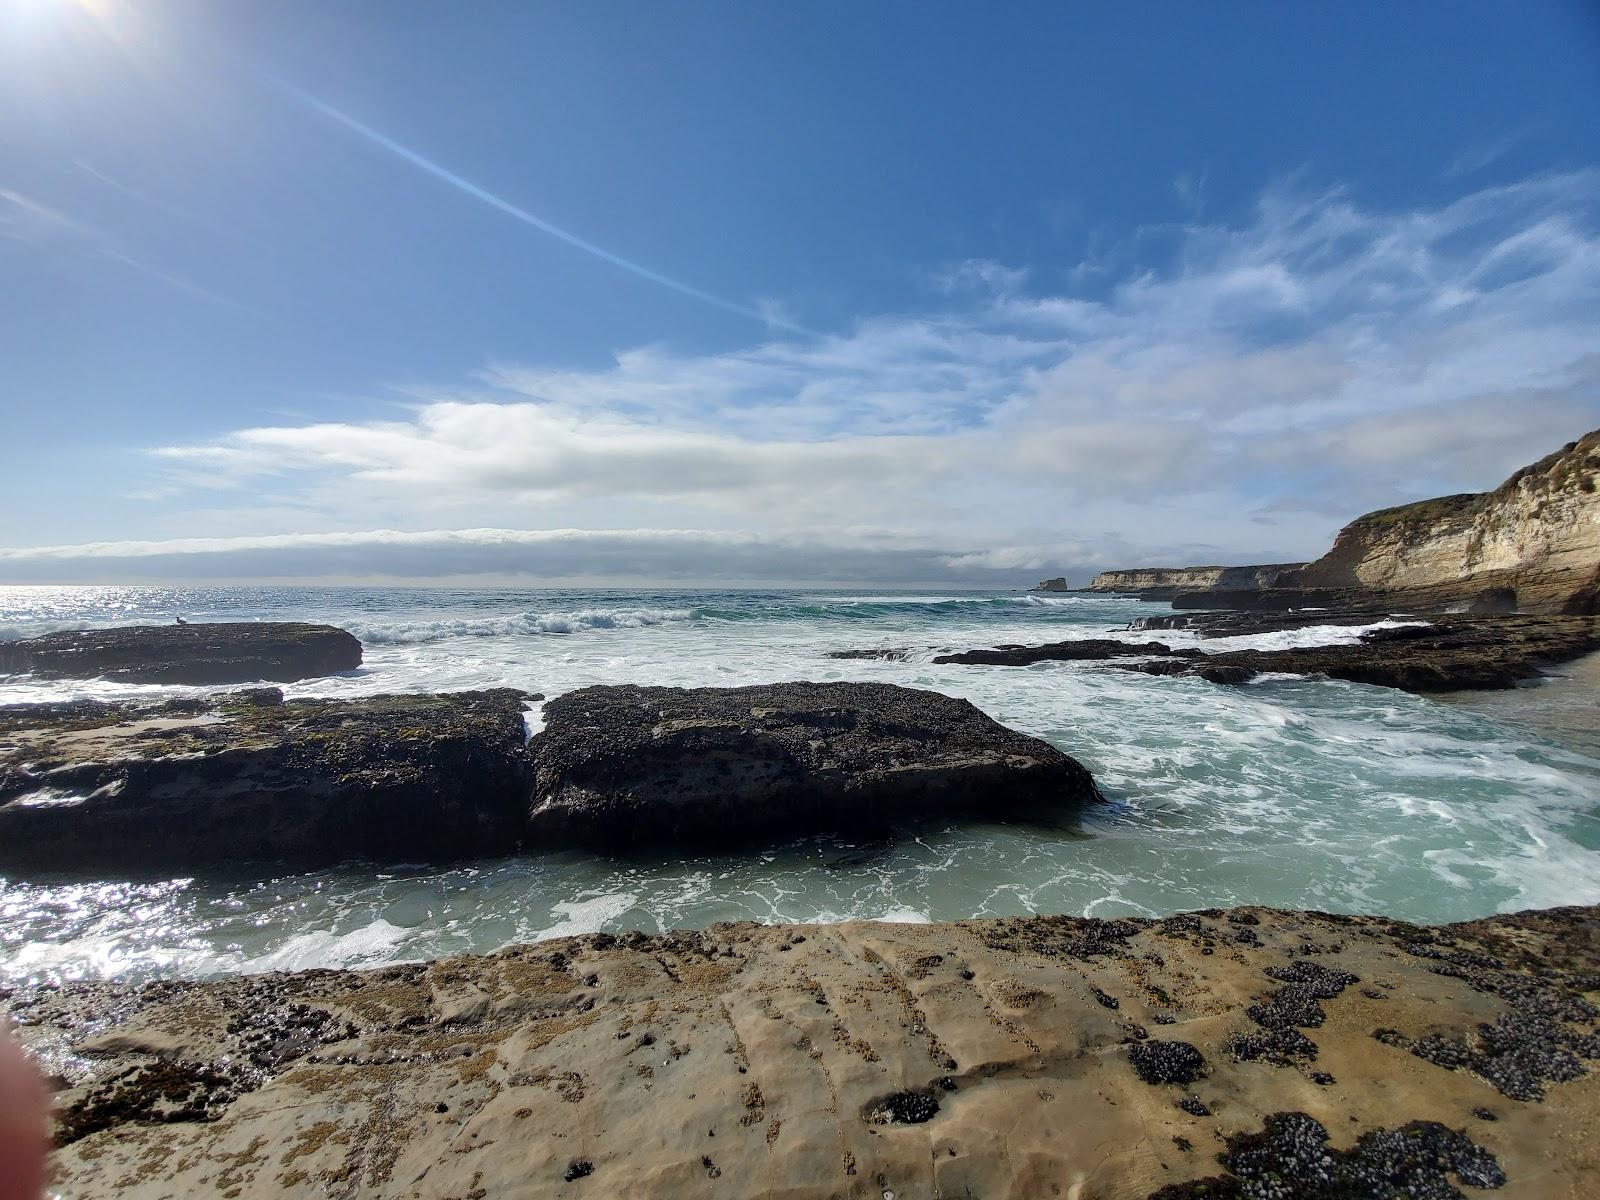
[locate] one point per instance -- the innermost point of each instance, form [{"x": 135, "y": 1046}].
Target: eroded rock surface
[
  {"x": 1536, "y": 535},
  {"x": 223, "y": 652},
  {"x": 196, "y": 784},
  {"x": 1164, "y": 581},
  {"x": 637, "y": 766},
  {"x": 978, "y": 1058}
]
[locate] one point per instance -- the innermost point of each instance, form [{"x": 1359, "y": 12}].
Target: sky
[{"x": 757, "y": 292}]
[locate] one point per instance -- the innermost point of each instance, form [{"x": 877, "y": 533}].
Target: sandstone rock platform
[{"x": 1242, "y": 1053}]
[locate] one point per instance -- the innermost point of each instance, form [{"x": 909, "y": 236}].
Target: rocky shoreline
[
  {"x": 247, "y": 777},
  {"x": 1228, "y": 1054},
  {"x": 1417, "y": 654},
  {"x": 1239, "y": 1053}
]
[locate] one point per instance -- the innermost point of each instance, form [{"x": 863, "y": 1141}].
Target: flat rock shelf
[
  {"x": 1237, "y": 1053},
  {"x": 191, "y": 784},
  {"x": 619, "y": 767},
  {"x": 194, "y": 654}
]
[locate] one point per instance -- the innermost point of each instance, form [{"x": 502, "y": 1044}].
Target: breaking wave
[{"x": 521, "y": 625}]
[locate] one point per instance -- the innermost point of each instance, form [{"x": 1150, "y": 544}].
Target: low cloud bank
[{"x": 618, "y": 556}]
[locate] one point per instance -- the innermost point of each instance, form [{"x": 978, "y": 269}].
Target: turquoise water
[{"x": 1294, "y": 792}]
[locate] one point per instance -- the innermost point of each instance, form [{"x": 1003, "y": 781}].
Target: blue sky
[{"x": 594, "y": 291}]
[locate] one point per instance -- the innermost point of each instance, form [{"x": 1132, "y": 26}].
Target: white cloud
[{"x": 1321, "y": 359}]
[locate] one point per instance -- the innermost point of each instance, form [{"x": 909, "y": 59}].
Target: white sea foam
[
  {"x": 1293, "y": 792},
  {"x": 1292, "y": 639},
  {"x": 519, "y": 625},
  {"x": 904, "y": 916},
  {"x": 31, "y": 629},
  {"x": 375, "y": 944},
  {"x": 532, "y": 719},
  {"x": 587, "y": 916}
]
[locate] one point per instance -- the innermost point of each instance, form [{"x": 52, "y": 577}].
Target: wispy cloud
[
  {"x": 1483, "y": 154},
  {"x": 766, "y": 314},
  {"x": 1236, "y": 402},
  {"x": 33, "y": 223},
  {"x": 141, "y": 196},
  {"x": 1190, "y": 188}
]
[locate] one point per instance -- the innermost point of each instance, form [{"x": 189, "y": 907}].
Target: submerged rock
[
  {"x": 645, "y": 766},
  {"x": 225, "y": 652},
  {"x": 856, "y": 1059},
  {"x": 198, "y": 785}
]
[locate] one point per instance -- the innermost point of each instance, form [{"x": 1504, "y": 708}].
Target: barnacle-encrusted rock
[
  {"x": 859, "y": 1059},
  {"x": 200, "y": 784},
  {"x": 621, "y": 767},
  {"x": 219, "y": 652}
]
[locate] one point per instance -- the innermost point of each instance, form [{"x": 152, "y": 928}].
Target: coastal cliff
[
  {"x": 1187, "y": 579},
  {"x": 1537, "y": 534}
]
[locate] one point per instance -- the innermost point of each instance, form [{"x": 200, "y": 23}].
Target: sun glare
[{"x": 115, "y": 17}]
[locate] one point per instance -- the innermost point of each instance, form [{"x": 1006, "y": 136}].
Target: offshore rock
[
  {"x": 198, "y": 785},
  {"x": 976, "y": 1058},
  {"x": 1448, "y": 654},
  {"x": 631, "y": 767},
  {"x": 197, "y": 654},
  {"x": 1458, "y": 652},
  {"x": 1085, "y": 649}
]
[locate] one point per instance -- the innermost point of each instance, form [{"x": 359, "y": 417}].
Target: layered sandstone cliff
[
  {"x": 1188, "y": 579},
  {"x": 1537, "y": 534}
]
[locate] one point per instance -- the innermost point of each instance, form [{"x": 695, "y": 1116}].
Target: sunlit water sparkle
[{"x": 1295, "y": 792}]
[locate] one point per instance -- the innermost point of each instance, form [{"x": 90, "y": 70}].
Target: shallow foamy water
[{"x": 1287, "y": 791}]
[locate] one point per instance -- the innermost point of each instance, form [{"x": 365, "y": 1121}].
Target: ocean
[{"x": 1289, "y": 792}]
